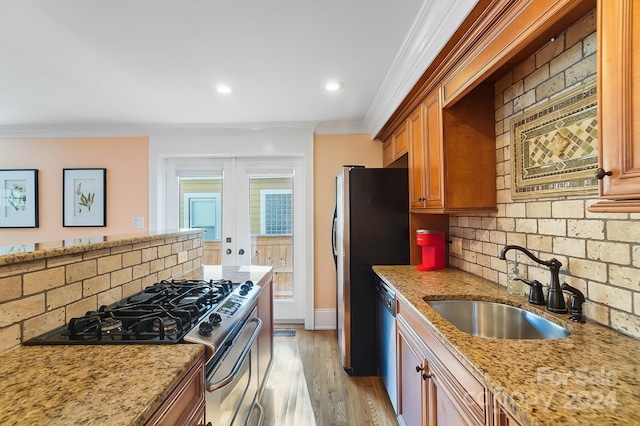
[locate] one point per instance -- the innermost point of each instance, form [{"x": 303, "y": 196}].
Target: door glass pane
[
  {"x": 271, "y": 219},
  {"x": 201, "y": 207}
]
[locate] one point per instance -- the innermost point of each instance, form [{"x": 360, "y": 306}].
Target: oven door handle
[{"x": 245, "y": 352}]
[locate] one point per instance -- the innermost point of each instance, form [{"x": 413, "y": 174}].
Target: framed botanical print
[
  {"x": 84, "y": 197},
  {"x": 19, "y": 198}
]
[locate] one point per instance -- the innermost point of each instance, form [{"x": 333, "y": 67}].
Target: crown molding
[
  {"x": 341, "y": 127},
  {"x": 149, "y": 129},
  {"x": 435, "y": 23}
]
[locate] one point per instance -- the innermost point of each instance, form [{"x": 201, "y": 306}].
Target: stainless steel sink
[{"x": 496, "y": 320}]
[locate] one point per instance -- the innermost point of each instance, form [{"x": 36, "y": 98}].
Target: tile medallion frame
[{"x": 554, "y": 147}]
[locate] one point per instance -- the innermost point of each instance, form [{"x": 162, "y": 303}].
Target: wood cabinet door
[
  {"x": 412, "y": 390},
  {"x": 400, "y": 141},
  {"x": 433, "y": 150},
  {"x": 619, "y": 101},
  {"x": 417, "y": 172},
  {"x": 502, "y": 417},
  {"x": 387, "y": 151},
  {"x": 448, "y": 405},
  {"x": 444, "y": 411},
  {"x": 185, "y": 405}
]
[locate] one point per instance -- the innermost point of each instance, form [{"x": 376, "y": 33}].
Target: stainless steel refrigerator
[{"x": 370, "y": 227}]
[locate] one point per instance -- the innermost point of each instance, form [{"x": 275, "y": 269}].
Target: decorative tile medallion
[{"x": 554, "y": 148}]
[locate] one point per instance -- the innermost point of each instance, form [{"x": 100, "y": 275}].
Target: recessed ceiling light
[
  {"x": 332, "y": 86},
  {"x": 223, "y": 88}
]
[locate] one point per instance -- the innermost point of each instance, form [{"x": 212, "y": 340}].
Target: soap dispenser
[{"x": 515, "y": 285}]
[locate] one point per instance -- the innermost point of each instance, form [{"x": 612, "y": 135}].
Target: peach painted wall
[
  {"x": 330, "y": 152},
  {"x": 126, "y": 161}
]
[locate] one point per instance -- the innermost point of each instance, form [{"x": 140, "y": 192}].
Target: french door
[{"x": 251, "y": 209}]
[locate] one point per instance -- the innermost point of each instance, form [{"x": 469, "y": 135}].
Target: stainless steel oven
[{"x": 232, "y": 381}]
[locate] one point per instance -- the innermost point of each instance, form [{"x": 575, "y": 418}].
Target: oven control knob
[
  {"x": 246, "y": 286},
  {"x": 205, "y": 328},
  {"x": 215, "y": 318}
]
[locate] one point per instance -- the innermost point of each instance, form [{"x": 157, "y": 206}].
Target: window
[
  {"x": 276, "y": 214},
  {"x": 203, "y": 210}
]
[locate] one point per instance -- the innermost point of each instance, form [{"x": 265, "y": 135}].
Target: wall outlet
[
  {"x": 138, "y": 222},
  {"x": 456, "y": 245}
]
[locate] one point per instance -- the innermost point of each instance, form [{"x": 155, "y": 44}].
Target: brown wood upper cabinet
[
  {"x": 452, "y": 154},
  {"x": 395, "y": 146},
  {"x": 619, "y": 105}
]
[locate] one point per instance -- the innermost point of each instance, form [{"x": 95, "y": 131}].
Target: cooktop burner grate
[{"x": 161, "y": 313}]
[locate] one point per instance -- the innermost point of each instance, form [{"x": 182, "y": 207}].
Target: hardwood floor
[{"x": 308, "y": 386}]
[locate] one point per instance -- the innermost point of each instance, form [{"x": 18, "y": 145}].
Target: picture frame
[
  {"x": 18, "y": 198},
  {"x": 84, "y": 197},
  {"x": 554, "y": 147}
]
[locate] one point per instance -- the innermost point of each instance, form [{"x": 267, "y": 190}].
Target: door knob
[
  {"x": 241, "y": 251},
  {"x": 228, "y": 251}
]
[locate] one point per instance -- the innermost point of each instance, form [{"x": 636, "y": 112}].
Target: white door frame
[
  {"x": 236, "y": 239},
  {"x": 290, "y": 311},
  {"x": 248, "y": 140}
]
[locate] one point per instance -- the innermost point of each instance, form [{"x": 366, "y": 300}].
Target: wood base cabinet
[
  {"x": 502, "y": 416},
  {"x": 413, "y": 409},
  {"x": 434, "y": 387},
  {"x": 265, "y": 338},
  {"x": 186, "y": 404},
  {"x": 619, "y": 105}
]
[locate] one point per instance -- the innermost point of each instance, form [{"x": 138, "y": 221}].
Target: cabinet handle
[
  {"x": 425, "y": 376},
  {"x": 600, "y": 173},
  {"x": 421, "y": 199}
]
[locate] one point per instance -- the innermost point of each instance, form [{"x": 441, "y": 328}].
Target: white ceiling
[{"x": 156, "y": 62}]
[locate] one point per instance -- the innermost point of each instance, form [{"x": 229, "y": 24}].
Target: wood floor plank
[{"x": 307, "y": 386}]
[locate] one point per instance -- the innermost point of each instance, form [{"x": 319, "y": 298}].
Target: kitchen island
[
  {"x": 101, "y": 384},
  {"x": 121, "y": 384},
  {"x": 589, "y": 377}
]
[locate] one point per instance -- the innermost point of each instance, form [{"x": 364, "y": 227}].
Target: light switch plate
[{"x": 138, "y": 222}]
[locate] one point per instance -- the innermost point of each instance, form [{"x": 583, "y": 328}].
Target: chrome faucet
[{"x": 555, "y": 299}]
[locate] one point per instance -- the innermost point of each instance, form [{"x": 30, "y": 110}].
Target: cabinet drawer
[{"x": 464, "y": 382}]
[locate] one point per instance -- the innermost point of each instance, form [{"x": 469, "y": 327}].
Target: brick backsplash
[
  {"x": 41, "y": 295},
  {"x": 600, "y": 252}
]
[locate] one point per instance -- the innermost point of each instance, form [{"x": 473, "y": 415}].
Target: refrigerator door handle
[{"x": 334, "y": 229}]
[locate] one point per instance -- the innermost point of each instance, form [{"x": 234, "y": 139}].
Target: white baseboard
[{"x": 325, "y": 319}]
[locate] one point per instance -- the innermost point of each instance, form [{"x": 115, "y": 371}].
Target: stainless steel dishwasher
[{"x": 386, "y": 339}]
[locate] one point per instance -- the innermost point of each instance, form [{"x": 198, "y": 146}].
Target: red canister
[{"x": 433, "y": 252}]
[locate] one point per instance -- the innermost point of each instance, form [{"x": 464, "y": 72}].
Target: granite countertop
[
  {"x": 79, "y": 384},
  {"x": 237, "y": 274},
  {"x": 26, "y": 252},
  {"x": 590, "y": 377}
]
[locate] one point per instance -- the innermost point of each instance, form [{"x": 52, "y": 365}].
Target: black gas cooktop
[{"x": 161, "y": 313}]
